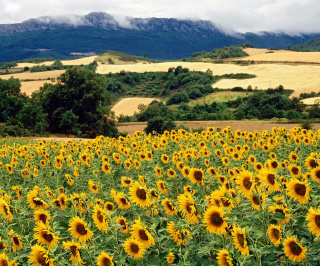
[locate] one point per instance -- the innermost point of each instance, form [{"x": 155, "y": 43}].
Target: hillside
[
  {"x": 311, "y": 45},
  {"x": 159, "y": 38}
]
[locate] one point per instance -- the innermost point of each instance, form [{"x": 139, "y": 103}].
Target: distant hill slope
[
  {"x": 311, "y": 45},
  {"x": 158, "y": 38}
]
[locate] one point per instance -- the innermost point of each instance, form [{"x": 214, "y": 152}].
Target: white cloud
[{"x": 292, "y": 16}]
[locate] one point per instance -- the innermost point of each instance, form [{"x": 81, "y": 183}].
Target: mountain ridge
[{"x": 159, "y": 38}]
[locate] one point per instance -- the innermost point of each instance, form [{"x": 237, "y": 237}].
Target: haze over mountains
[{"x": 158, "y": 38}]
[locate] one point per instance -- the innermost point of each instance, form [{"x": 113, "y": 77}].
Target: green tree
[
  {"x": 69, "y": 123},
  {"x": 159, "y": 124},
  {"x": 82, "y": 92}
]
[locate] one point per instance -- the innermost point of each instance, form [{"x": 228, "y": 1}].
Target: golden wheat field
[
  {"x": 75, "y": 62},
  {"x": 219, "y": 197},
  {"x": 28, "y": 87},
  {"x": 128, "y": 106},
  {"x": 34, "y": 75},
  {"x": 263, "y": 55}
]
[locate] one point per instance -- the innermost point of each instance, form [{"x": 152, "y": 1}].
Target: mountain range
[{"x": 158, "y": 38}]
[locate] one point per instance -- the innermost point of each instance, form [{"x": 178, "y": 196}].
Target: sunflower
[
  {"x": 9, "y": 169},
  {"x": 141, "y": 233},
  {"x": 196, "y": 176},
  {"x": 154, "y": 194},
  {"x": 293, "y": 157},
  {"x": 188, "y": 189},
  {"x": 162, "y": 187},
  {"x": 122, "y": 201},
  {"x": 79, "y": 230},
  {"x": 105, "y": 167},
  {"x": 5, "y": 210},
  {"x": 39, "y": 256},
  {"x": 171, "y": 173},
  {"x": 139, "y": 195},
  {"x": 187, "y": 208},
  {"x": 269, "y": 178},
  {"x": 240, "y": 241},
  {"x": 245, "y": 183},
  {"x": 258, "y": 166},
  {"x": 100, "y": 219},
  {"x": 93, "y": 187},
  {"x": 294, "y": 170},
  {"x": 315, "y": 174},
  {"x": 42, "y": 216},
  {"x": 74, "y": 248},
  {"x": 126, "y": 181},
  {"x": 214, "y": 221},
  {"x": 171, "y": 258},
  {"x": 108, "y": 206},
  {"x": 298, "y": 190},
  {"x": 313, "y": 217},
  {"x": 169, "y": 207},
  {"x": 224, "y": 258},
  {"x": 164, "y": 158},
  {"x": 212, "y": 171},
  {"x": 104, "y": 259},
  {"x": 4, "y": 260},
  {"x": 124, "y": 225},
  {"x": 281, "y": 209},
  {"x": 158, "y": 171},
  {"x": 257, "y": 201},
  {"x": 16, "y": 243},
  {"x": 312, "y": 162},
  {"x": 134, "y": 248},
  {"x": 186, "y": 171},
  {"x": 44, "y": 236},
  {"x": 3, "y": 245},
  {"x": 275, "y": 235},
  {"x": 293, "y": 250},
  {"x": 17, "y": 189},
  {"x": 70, "y": 179}
]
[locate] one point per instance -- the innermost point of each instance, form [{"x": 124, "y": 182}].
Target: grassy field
[
  {"x": 35, "y": 75},
  {"x": 220, "y": 97}
]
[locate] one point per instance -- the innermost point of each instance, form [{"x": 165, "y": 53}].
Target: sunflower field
[{"x": 219, "y": 197}]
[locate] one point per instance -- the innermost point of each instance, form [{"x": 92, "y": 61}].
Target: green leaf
[{"x": 278, "y": 216}]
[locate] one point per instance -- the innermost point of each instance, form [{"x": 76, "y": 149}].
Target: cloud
[{"x": 290, "y": 16}]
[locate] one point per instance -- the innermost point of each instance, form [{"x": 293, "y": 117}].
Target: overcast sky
[{"x": 290, "y": 16}]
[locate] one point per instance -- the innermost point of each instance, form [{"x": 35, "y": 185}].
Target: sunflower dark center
[
  {"x": 100, "y": 216},
  {"x": 241, "y": 239},
  {"x": 109, "y": 207},
  {"x": 317, "y": 220},
  {"x": 222, "y": 179},
  {"x": 216, "y": 219},
  {"x": 134, "y": 248},
  {"x": 16, "y": 241},
  {"x": 2, "y": 246},
  {"x": 169, "y": 206},
  {"x": 47, "y": 236},
  {"x": 127, "y": 181},
  {"x": 141, "y": 194},
  {"x": 300, "y": 189},
  {"x": 73, "y": 250},
  {"x": 295, "y": 170},
  {"x": 38, "y": 201},
  {"x": 225, "y": 202},
  {"x": 276, "y": 233},
  {"x": 57, "y": 202},
  {"x": 198, "y": 175},
  {"x": 106, "y": 262},
  {"x": 247, "y": 183},
  {"x": 280, "y": 211},
  {"x": 313, "y": 163},
  {"x": 81, "y": 229},
  {"x": 256, "y": 200},
  {"x": 271, "y": 179},
  {"x": 188, "y": 208},
  {"x": 5, "y": 208},
  {"x": 143, "y": 235},
  {"x": 317, "y": 174},
  {"x": 42, "y": 260},
  {"x": 124, "y": 201},
  {"x": 295, "y": 248},
  {"x": 154, "y": 194}
]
